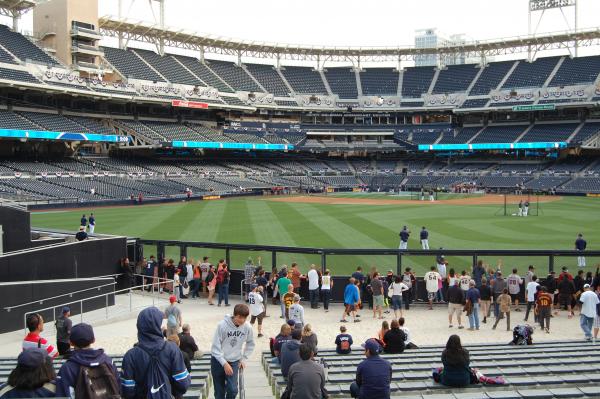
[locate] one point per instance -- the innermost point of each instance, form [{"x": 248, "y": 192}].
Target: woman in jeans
[
  {"x": 211, "y": 283},
  {"x": 223, "y": 284},
  {"x": 395, "y": 291},
  {"x": 326, "y": 286}
]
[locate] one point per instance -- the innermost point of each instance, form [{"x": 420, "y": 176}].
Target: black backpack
[
  {"x": 97, "y": 382},
  {"x": 157, "y": 379}
]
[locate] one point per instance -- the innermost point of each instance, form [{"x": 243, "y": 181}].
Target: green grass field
[{"x": 259, "y": 221}]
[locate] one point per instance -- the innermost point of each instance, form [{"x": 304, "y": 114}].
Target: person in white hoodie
[{"x": 228, "y": 352}]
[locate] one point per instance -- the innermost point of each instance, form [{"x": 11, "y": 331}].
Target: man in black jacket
[
  {"x": 456, "y": 301},
  {"x": 187, "y": 343}
]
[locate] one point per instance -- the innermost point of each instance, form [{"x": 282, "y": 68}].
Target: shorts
[
  {"x": 564, "y": 300},
  {"x": 349, "y": 308},
  {"x": 260, "y": 318},
  {"x": 430, "y": 295},
  {"x": 397, "y": 302},
  {"x": 514, "y": 297},
  {"x": 378, "y": 300},
  {"x": 455, "y": 307},
  {"x": 597, "y": 321}
]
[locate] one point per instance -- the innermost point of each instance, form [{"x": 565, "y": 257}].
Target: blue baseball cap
[
  {"x": 32, "y": 358},
  {"x": 82, "y": 335},
  {"x": 66, "y": 309},
  {"x": 372, "y": 345}
]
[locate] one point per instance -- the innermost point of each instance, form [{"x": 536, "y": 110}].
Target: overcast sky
[{"x": 350, "y": 22}]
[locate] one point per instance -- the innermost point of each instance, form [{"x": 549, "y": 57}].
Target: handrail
[
  {"x": 106, "y": 295},
  {"x": 41, "y": 301}
]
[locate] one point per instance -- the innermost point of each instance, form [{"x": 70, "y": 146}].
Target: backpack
[
  {"x": 96, "y": 382},
  {"x": 407, "y": 280},
  {"x": 158, "y": 383},
  {"x": 345, "y": 345},
  {"x": 172, "y": 320},
  {"x": 220, "y": 276}
]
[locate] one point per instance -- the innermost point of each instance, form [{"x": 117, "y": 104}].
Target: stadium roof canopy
[
  {"x": 141, "y": 32},
  {"x": 11, "y": 8}
]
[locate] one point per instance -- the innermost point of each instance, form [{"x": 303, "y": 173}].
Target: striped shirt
[{"x": 33, "y": 340}]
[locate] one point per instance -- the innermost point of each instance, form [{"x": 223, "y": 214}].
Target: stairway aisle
[{"x": 255, "y": 381}]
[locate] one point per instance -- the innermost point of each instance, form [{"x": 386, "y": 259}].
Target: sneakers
[
  {"x": 517, "y": 309},
  {"x": 343, "y": 321},
  {"x": 461, "y": 327},
  {"x": 260, "y": 335},
  {"x": 450, "y": 326},
  {"x": 357, "y": 321}
]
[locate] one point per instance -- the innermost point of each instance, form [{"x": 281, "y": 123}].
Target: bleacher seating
[
  {"x": 588, "y": 130},
  {"x": 573, "y": 71},
  {"x": 199, "y": 387},
  {"x": 500, "y": 134},
  {"x": 20, "y": 76},
  {"x": 6, "y": 58},
  {"x": 475, "y": 103},
  {"x": 532, "y": 74},
  {"x": 416, "y": 81},
  {"x": 54, "y": 122},
  {"x": 168, "y": 67},
  {"x": 22, "y": 48},
  {"x": 234, "y": 75},
  {"x": 304, "y": 80},
  {"x": 582, "y": 185},
  {"x": 342, "y": 82},
  {"x": 130, "y": 65},
  {"x": 491, "y": 77},
  {"x": 462, "y": 137},
  {"x": 455, "y": 78},
  {"x": 549, "y": 132},
  {"x": 12, "y": 120},
  {"x": 379, "y": 81},
  {"x": 545, "y": 370},
  {"x": 268, "y": 77},
  {"x": 204, "y": 73}
]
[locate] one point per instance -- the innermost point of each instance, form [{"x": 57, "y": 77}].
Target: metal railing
[
  {"x": 156, "y": 282},
  {"x": 69, "y": 294},
  {"x": 399, "y": 254}
]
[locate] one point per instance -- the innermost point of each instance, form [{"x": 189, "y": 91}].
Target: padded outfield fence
[{"x": 323, "y": 257}]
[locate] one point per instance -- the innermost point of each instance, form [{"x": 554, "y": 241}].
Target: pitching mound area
[{"x": 483, "y": 200}]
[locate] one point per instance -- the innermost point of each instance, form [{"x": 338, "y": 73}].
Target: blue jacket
[
  {"x": 289, "y": 356},
  {"x": 373, "y": 376},
  {"x": 351, "y": 294},
  {"x": 69, "y": 372},
  {"x": 45, "y": 391},
  {"x": 136, "y": 360}
]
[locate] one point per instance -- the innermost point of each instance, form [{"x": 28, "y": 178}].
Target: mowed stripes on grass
[{"x": 260, "y": 221}]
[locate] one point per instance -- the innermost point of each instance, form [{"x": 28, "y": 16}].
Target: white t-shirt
[
  {"x": 431, "y": 281},
  {"x": 326, "y": 282},
  {"x": 514, "y": 281},
  {"x": 204, "y": 270},
  {"x": 464, "y": 282},
  {"x": 588, "y": 300},
  {"x": 397, "y": 288},
  {"x": 313, "y": 279},
  {"x": 407, "y": 332},
  {"x": 190, "y": 272},
  {"x": 442, "y": 269},
  {"x": 255, "y": 301},
  {"x": 531, "y": 291},
  {"x": 452, "y": 281},
  {"x": 296, "y": 313}
]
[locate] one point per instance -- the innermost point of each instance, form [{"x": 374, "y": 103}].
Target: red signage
[{"x": 189, "y": 104}]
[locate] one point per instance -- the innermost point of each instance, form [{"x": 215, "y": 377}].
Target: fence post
[
  {"x": 182, "y": 251},
  {"x": 107, "y": 306},
  {"x": 474, "y": 260},
  {"x": 399, "y": 263},
  {"x": 228, "y": 257},
  {"x": 550, "y": 263},
  {"x": 323, "y": 262},
  {"x": 81, "y": 311},
  {"x": 160, "y": 251},
  {"x": 273, "y": 259}
]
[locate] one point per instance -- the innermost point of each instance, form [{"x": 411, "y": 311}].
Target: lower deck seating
[
  {"x": 198, "y": 389},
  {"x": 544, "y": 370}
]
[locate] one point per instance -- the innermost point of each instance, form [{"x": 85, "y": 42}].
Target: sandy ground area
[
  {"x": 491, "y": 199},
  {"x": 117, "y": 335}
]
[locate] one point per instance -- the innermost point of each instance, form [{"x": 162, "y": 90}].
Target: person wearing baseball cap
[
  {"x": 589, "y": 300},
  {"x": 32, "y": 378},
  {"x": 373, "y": 375},
  {"x": 173, "y": 317},
  {"x": 82, "y": 338},
  {"x": 63, "y": 326}
]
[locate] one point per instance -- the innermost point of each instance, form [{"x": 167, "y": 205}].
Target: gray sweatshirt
[{"x": 229, "y": 339}]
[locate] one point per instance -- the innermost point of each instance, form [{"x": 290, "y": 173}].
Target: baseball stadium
[{"x": 404, "y": 203}]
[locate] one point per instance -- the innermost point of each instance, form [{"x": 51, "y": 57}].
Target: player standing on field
[
  {"x": 404, "y": 234},
  {"x": 580, "y": 245},
  {"x": 424, "y": 238}
]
